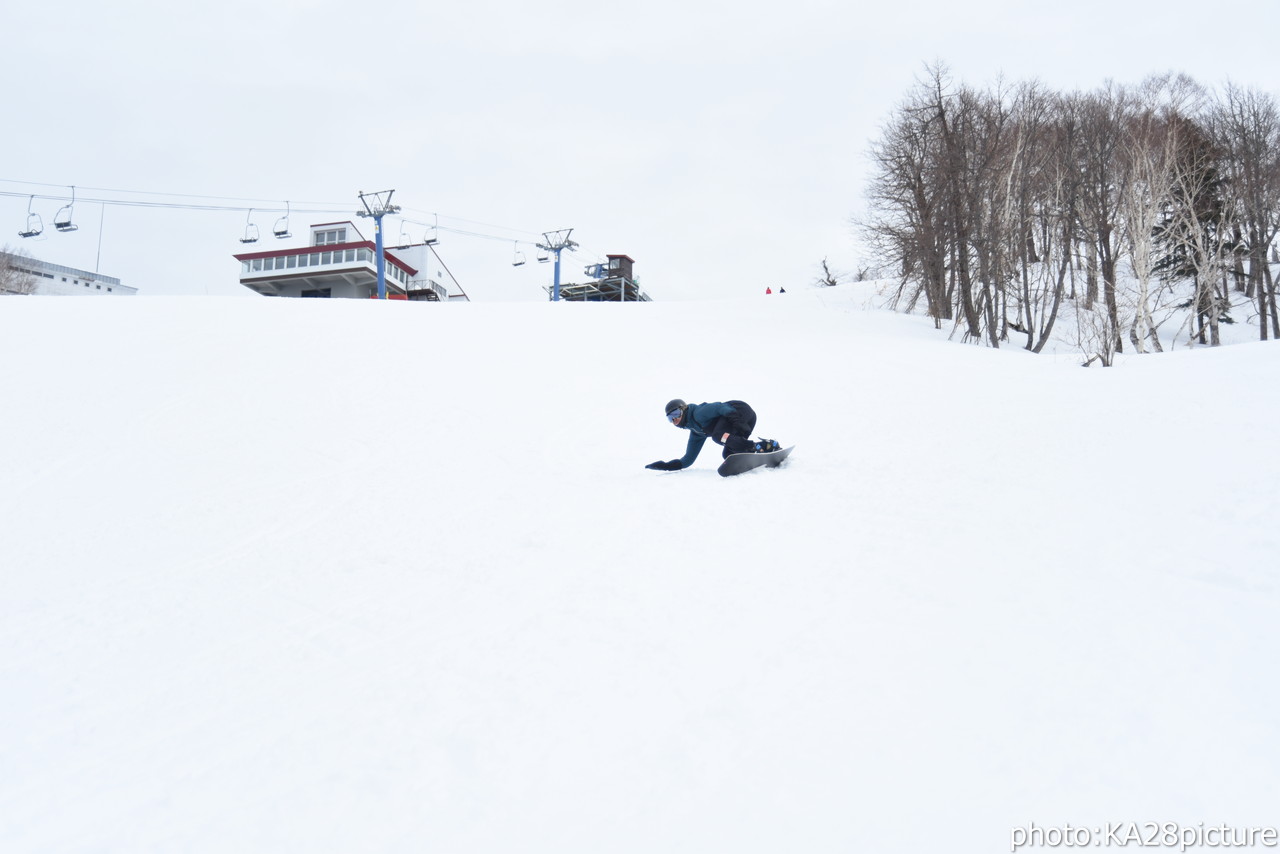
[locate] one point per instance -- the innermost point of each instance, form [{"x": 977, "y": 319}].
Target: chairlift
[
  {"x": 543, "y": 257},
  {"x": 62, "y": 219},
  {"x": 517, "y": 258},
  {"x": 281, "y": 228},
  {"x": 432, "y": 237},
  {"x": 250, "y": 230},
  {"x": 35, "y": 225}
]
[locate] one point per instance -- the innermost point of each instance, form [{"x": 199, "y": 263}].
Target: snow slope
[{"x": 335, "y": 576}]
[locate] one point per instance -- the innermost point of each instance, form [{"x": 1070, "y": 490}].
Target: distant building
[
  {"x": 338, "y": 263},
  {"x": 55, "y": 280},
  {"x": 612, "y": 281}
]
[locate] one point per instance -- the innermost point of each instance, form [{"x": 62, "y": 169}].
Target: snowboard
[{"x": 738, "y": 463}]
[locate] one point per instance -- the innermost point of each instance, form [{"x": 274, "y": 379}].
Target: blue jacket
[{"x": 700, "y": 420}]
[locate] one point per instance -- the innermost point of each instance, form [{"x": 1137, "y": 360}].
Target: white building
[
  {"x": 56, "y": 280},
  {"x": 339, "y": 262}
]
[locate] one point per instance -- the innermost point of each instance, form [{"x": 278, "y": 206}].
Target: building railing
[{"x": 326, "y": 258}]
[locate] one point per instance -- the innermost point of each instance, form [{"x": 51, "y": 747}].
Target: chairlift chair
[
  {"x": 62, "y": 219},
  {"x": 250, "y": 230},
  {"x": 281, "y": 228},
  {"x": 35, "y": 225},
  {"x": 543, "y": 257},
  {"x": 517, "y": 258}
]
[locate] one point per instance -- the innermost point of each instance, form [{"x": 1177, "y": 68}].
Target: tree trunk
[
  {"x": 1269, "y": 286},
  {"x": 1091, "y": 282}
]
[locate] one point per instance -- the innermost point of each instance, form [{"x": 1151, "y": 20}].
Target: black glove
[{"x": 670, "y": 465}]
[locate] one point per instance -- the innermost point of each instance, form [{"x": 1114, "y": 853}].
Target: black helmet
[{"x": 674, "y": 406}]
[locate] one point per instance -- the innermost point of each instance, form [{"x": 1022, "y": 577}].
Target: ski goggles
[{"x": 674, "y": 415}]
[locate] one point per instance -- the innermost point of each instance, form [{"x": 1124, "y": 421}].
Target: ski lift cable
[
  {"x": 211, "y": 204},
  {"x": 469, "y": 233},
  {"x": 336, "y": 210},
  {"x": 255, "y": 204},
  {"x": 259, "y": 204},
  {"x": 436, "y": 218},
  {"x": 35, "y": 223},
  {"x": 179, "y": 206}
]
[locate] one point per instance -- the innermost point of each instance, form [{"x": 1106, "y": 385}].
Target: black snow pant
[{"x": 739, "y": 426}]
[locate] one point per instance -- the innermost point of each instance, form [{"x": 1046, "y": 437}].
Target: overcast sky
[{"x": 721, "y": 145}]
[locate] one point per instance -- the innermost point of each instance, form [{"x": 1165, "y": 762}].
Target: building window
[{"x": 326, "y": 238}]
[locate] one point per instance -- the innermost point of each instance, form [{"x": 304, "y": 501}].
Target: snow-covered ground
[{"x": 335, "y": 576}]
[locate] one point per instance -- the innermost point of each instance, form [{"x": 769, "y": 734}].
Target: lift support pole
[
  {"x": 557, "y": 241},
  {"x": 378, "y": 209}
]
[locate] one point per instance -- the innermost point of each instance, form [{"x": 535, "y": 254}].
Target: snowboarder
[{"x": 728, "y": 424}]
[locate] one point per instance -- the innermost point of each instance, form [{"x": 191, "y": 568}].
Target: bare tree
[
  {"x": 1149, "y": 150},
  {"x": 1044, "y": 199},
  {"x": 828, "y": 279},
  {"x": 1096, "y": 336},
  {"x": 15, "y": 275},
  {"x": 1105, "y": 116},
  {"x": 1193, "y": 234},
  {"x": 993, "y": 204},
  {"x": 906, "y": 217},
  {"x": 1248, "y": 129}
]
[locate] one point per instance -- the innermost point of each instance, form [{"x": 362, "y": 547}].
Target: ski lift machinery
[{"x": 35, "y": 225}]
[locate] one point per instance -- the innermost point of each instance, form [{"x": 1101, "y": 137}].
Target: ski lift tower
[
  {"x": 380, "y": 207},
  {"x": 557, "y": 241}
]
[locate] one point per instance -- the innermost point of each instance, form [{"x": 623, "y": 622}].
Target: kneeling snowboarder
[{"x": 729, "y": 424}]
